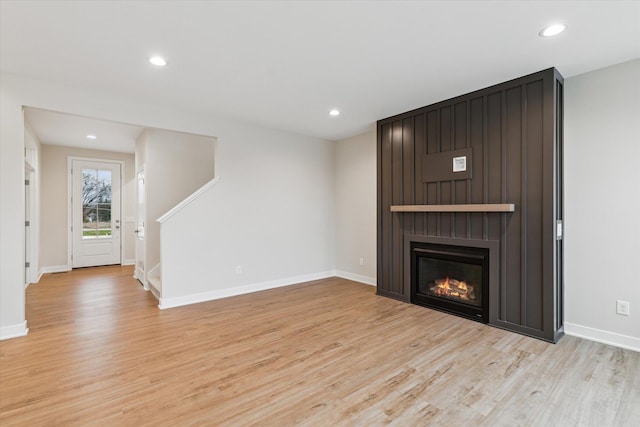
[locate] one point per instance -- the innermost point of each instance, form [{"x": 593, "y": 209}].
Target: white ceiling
[
  {"x": 64, "y": 129},
  {"x": 285, "y": 64}
]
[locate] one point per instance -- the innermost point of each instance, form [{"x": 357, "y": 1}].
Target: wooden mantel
[{"x": 491, "y": 207}]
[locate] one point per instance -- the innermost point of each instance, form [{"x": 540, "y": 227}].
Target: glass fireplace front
[{"x": 451, "y": 278}]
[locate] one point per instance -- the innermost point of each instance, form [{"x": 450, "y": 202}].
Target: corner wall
[
  {"x": 175, "y": 165},
  {"x": 355, "y": 193},
  {"x": 12, "y": 308},
  {"x": 602, "y": 190},
  {"x": 271, "y": 217}
]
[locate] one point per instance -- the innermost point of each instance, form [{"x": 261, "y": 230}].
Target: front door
[{"x": 96, "y": 213}]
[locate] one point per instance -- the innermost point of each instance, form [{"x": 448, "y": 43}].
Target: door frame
[
  {"x": 143, "y": 278},
  {"x": 31, "y": 231},
  {"x": 70, "y": 160}
]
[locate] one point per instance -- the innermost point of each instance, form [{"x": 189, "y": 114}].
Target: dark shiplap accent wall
[{"x": 515, "y": 133}]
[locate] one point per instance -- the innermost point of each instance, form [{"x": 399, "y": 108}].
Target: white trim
[
  {"x": 177, "y": 208},
  {"x": 14, "y": 331},
  {"x": 143, "y": 282},
  {"x": 70, "y": 160},
  {"x": 28, "y": 166},
  {"x": 240, "y": 290},
  {"x": 33, "y": 244},
  {"x": 154, "y": 292},
  {"x": 605, "y": 337},
  {"x": 54, "y": 269},
  {"x": 140, "y": 217},
  {"x": 156, "y": 271},
  {"x": 371, "y": 281},
  {"x": 131, "y": 261}
]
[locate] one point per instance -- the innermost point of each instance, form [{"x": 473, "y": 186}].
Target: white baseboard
[
  {"x": 54, "y": 269},
  {"x": 154, "y": 292},
  {"x": 240, "y": 290},
  {"x": 605, "y": 337},
  {"x": 129, "y": 262},
  {"x": 357, "y": 278},
  {"x": 14, "y": 331}
]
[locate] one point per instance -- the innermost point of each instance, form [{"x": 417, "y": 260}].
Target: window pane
[
  {"x": 104, "y": 219},
  {"x": 89, "y": 221},
  {"x": 96, "y": 202}
]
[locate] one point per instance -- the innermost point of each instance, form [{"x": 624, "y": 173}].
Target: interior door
[
  {"x": 96, "y": 213},
  {"x": 139, "y": 273}
]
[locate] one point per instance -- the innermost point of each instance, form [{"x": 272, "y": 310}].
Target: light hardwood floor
[{"x": 324, "y": 353}]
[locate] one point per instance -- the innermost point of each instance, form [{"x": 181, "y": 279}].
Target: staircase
[{"x": 154, "y": 281}]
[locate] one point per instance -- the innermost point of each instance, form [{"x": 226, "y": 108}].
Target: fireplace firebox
[{"x": 454, "y": 279}]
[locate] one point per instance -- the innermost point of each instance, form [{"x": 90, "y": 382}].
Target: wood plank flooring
[{"x": 324, "y": 353}]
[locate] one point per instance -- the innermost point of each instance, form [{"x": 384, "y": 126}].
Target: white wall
[
  {"x": 355, "y": 193},
  {"x": 175, "y": 165},
  {"x": 55, "y": 207},
  {"x": 272, "y": 213},
  {"x": 602, "y": 185},
  {"x": 12, "y": 319},
  {"x": 274, "y": 221}
]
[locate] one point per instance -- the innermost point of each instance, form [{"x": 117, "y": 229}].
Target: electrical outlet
[
  {"x": 361, "y": 261},
  {"x": 622, "y": 307},
  {"x": 238, "y": 269}
]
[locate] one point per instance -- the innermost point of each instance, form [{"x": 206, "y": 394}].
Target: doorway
[{"x": 95, "y": 212}]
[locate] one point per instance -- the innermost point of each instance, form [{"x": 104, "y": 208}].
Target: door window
[{"x": 96, "y": 204}]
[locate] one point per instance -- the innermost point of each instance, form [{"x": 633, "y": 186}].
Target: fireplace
[{"x": 451, "y": 278}]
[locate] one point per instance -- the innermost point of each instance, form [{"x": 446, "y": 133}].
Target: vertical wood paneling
[
  {"x": 477, "y": 183},
  {"x": 504, "y": 247},
  {"x": 485, "y": 163},
  {"x": 445, "y": 186},
  {"x": 385, "y": 183},
  {"x": 533, "y": 213},
  {"x": 408, "y": 171},
  {"x": 512, "y": 130},
  {"x": 494, "y": 187},
  {"x": 559, "y": 214},
  {"x": 460, "y": 186},
  {"x": 524, "y": 207},
  {"x": 512, "y": 182},
  {"x": 397, "y": 179},
  {"x": 493, "y": 160},
  {"x": 420, "y": 147},
  {"x": 468, "y": 181},
  {"x": 433, "y": 193}
]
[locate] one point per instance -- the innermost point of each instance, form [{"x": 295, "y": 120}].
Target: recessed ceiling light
[
  {"x": 552, "y": 30},
  {"x": 334, "y": 112},
  {"x": 158, "y": 61},
  {"x": 91, "y": 136}
]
